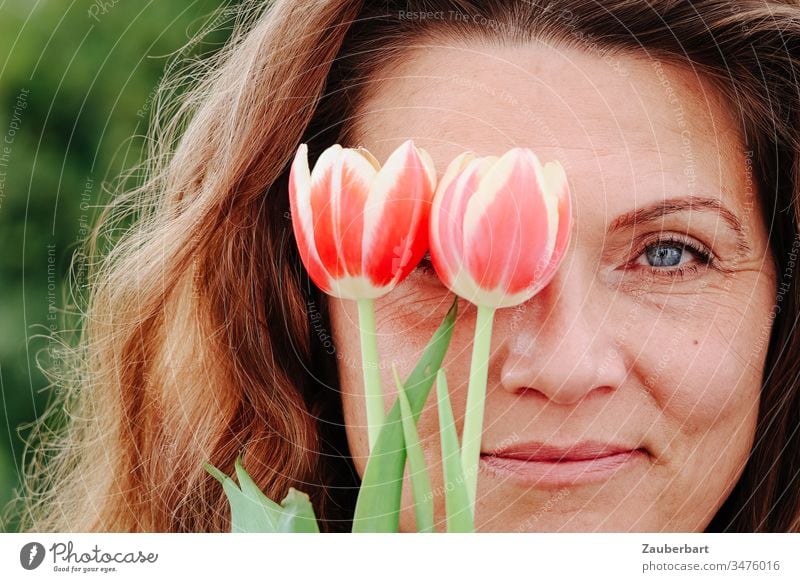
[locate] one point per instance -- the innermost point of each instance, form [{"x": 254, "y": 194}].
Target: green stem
[
  {"x": 476, "y": 397},
  {"x": 372, "y": 373}
]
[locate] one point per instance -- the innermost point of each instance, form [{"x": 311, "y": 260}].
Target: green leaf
[
  {"x": 248, "y": 512},
  {"x": 216, "y": 473},
  {"x": 457, "y": 500},
  {"x": 252, "y": 511},
  {"x": 420, "y": 481},
  {"x": 378, "y": 503},
  {"x": 250, "y": 488},
  {"x": 298, "y": 513}
]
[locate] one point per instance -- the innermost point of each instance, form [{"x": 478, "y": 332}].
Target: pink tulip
[
  {"x": 499, "y": 226},
  {"x": 361, "y": 228}
]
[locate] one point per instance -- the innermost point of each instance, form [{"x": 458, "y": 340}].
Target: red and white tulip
[
  {"x": 499, "y": 226},
  {"x": 361, "y": 228}
]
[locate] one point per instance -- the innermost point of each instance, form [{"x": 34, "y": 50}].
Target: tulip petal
[
  {"x": 507, "y": 225},
  {"x": 461, "y": 180},
  {"x": 340, "y": 186},
  {"x": 430, "y": 167},
  {"x": 369, "y": 157},
  {"x": 558, "y": 187},
  {"x": 302, "y": 219},
  {"x": 454, "y": 169},
  {"x": 396, "y": 217},
  {"x": 353, "y": 185},
  {"x": 527, "y": 277},
  {"x": 445, "y": 224},
  {"x": 325, "y": 186}
]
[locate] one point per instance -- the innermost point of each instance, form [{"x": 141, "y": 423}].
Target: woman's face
[{"x": 638, "y": 343}]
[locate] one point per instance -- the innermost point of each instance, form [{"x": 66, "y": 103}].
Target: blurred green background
[{"x": 77, "y": 82}]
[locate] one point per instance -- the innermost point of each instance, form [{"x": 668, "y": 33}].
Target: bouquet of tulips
[{"x": 496, "y": 229}]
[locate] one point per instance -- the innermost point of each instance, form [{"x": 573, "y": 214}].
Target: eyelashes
[
  {"x": 425, "y": 265},
  {"x": 704, "y": 256}
]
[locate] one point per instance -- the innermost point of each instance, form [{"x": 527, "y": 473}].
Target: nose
[{"x": 561, "y": 342}]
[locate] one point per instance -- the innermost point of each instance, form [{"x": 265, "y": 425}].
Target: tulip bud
[
  {"x": 499, "y": 226},
  {"x": 361, "y": 228}
]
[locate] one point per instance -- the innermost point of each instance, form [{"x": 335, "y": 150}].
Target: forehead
[{"x": 623, "y": 126}]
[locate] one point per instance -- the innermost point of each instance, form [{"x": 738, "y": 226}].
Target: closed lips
[
  {"x": 540, "y": 452},
  {"x": 540, "y": 465}
]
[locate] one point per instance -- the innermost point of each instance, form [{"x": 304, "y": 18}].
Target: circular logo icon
[{"x": 31, "y": 555}]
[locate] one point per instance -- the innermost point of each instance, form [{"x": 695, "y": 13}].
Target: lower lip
[{"x": 560, "y": 473}]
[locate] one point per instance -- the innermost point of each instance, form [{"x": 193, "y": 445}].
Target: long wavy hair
[{"x": 200, "y": 339}]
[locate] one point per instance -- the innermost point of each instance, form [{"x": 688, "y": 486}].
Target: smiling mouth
[{"x": 542, "y": 466}]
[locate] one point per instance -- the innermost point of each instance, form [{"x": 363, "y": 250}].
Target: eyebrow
[{"x": 673, "y": 205}]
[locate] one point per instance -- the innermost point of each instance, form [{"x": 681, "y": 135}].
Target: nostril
[{"x": 563, "y": 395}]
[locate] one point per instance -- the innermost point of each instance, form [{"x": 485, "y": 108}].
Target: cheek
[{"x": 702, "y": 363}]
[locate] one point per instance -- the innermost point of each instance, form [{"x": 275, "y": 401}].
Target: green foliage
[
  {"x": 254, "y": 512},
  {"x": 378, "y": 504},
  {"x": 420, "y": 481},
  {"x": 457, "y": 501}
]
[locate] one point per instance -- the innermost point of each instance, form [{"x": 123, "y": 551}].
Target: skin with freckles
[{"x": 653, "y": 333}]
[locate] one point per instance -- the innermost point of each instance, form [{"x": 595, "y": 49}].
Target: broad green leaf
[
  {"x": 298, "y": 513},
  {"x": 457, "y": 502},
  {"x": 420, "y": 481},
  {"x": 248, "y": 512},
  {"x": 378, "y": 503},
  {"x": 250, "y": 488},
  {"x": 252, "y": 511}
]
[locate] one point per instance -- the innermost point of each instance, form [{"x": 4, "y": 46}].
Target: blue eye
[
  {"x": 668, "y": 252},
  {"x": 664, "y": 256}
]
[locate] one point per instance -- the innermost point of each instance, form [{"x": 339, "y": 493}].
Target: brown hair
[{"x": 197, "y": 341}]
